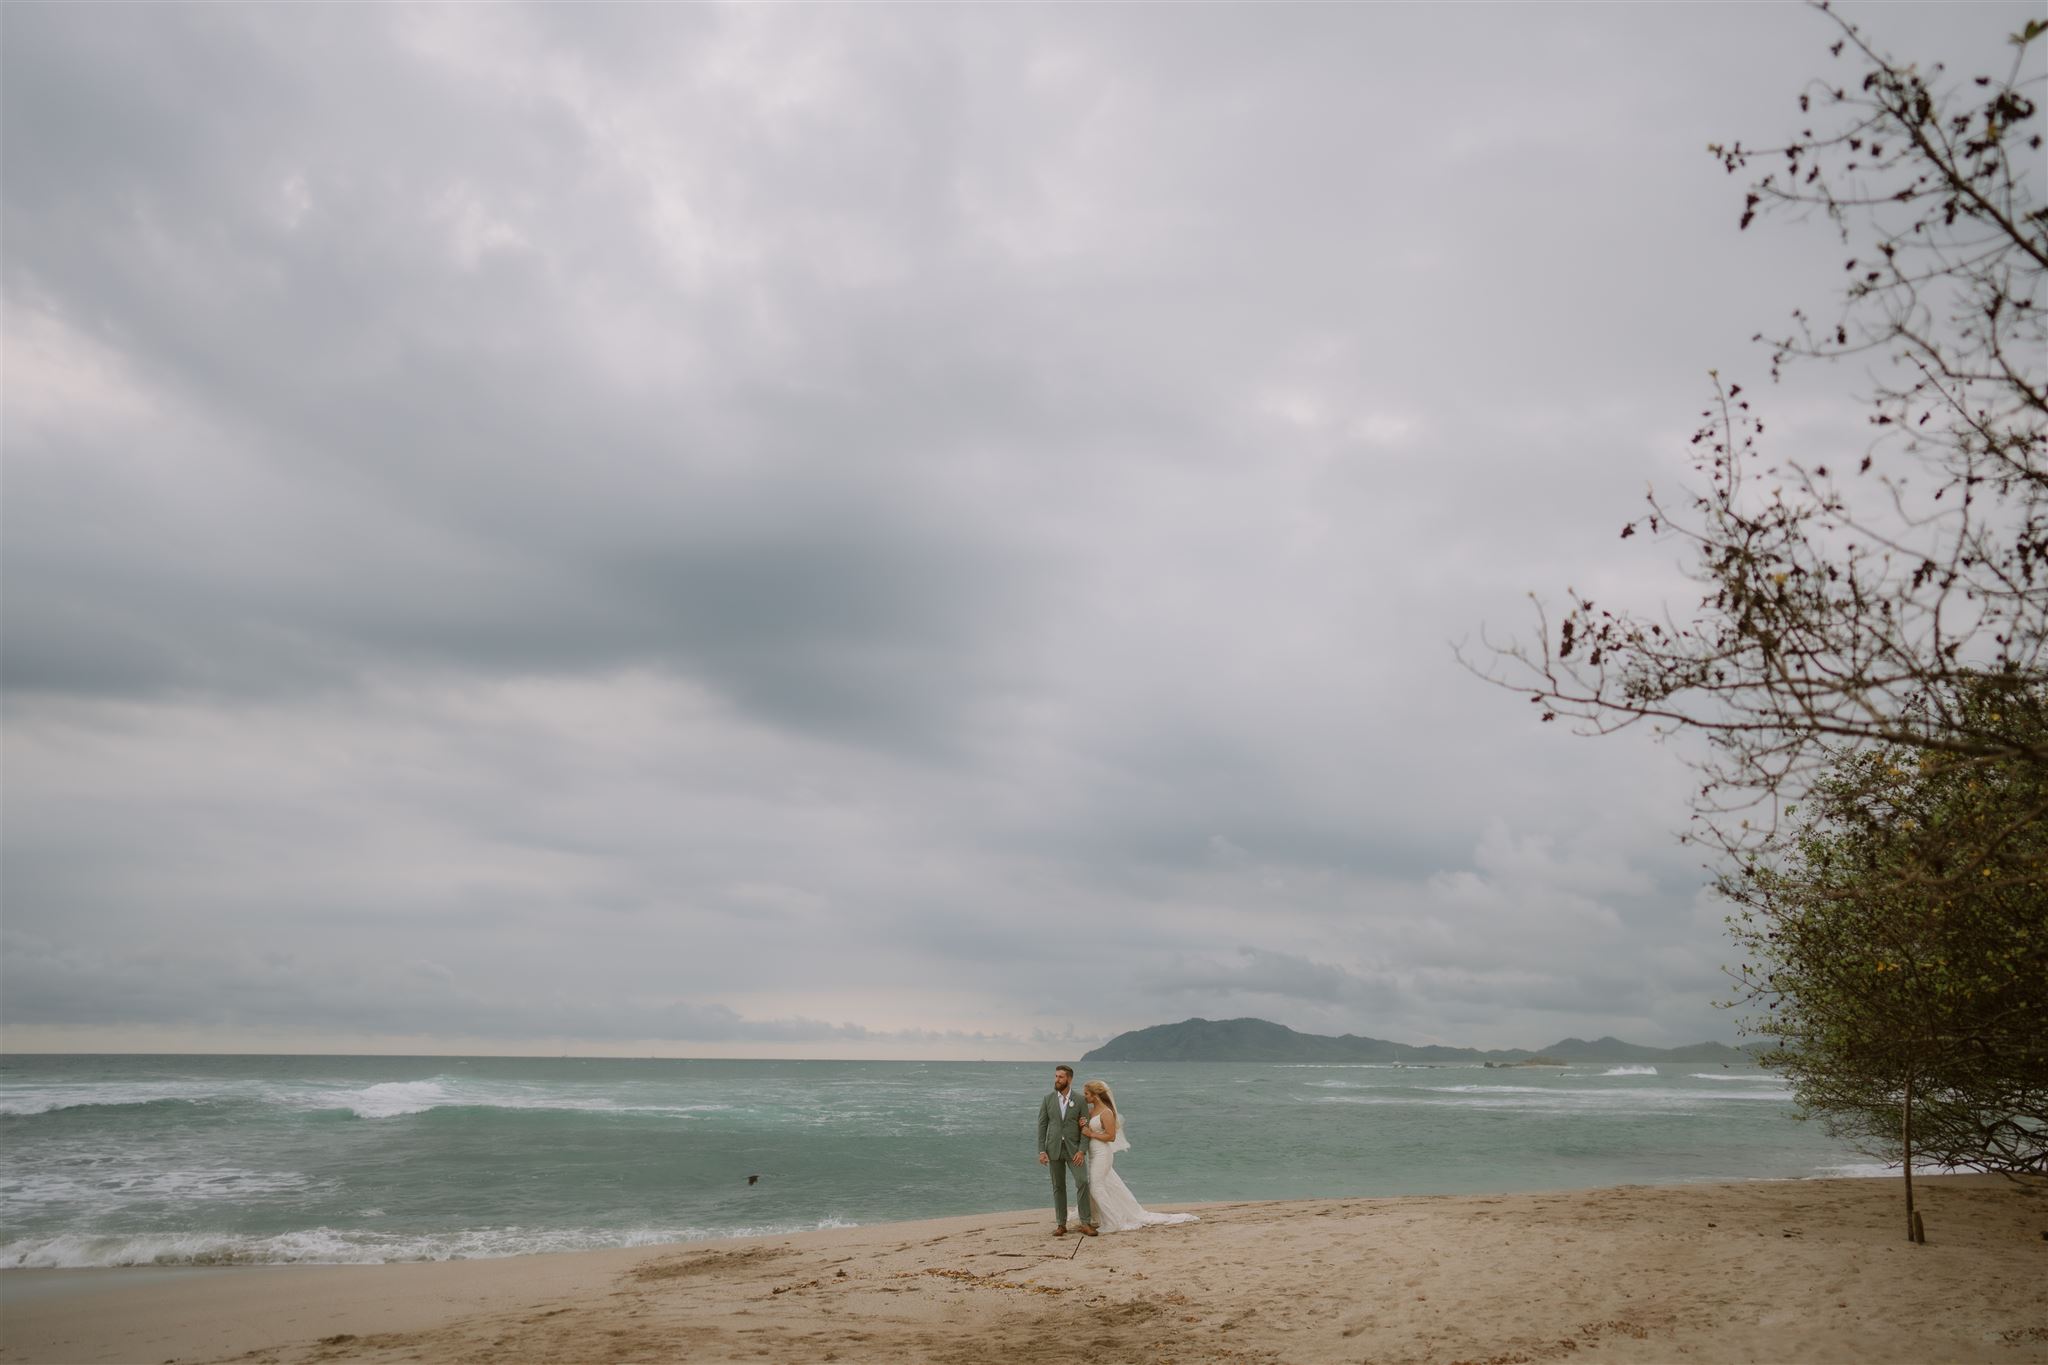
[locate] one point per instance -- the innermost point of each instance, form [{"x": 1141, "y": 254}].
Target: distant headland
[{"x": 1259, "y": 1040}]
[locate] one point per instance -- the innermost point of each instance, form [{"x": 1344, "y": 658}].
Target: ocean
[{"x": 217, "y": 1160}]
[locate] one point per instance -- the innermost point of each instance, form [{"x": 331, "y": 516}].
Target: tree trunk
[{"x": 1906, "y": 1133}]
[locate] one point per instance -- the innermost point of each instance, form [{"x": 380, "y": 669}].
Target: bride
[{"x": 1116, "y": 1208}]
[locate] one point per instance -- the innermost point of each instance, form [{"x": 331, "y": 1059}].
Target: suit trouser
[{"x": 1060, "y": 1167}]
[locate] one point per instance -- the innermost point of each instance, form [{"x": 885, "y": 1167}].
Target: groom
[{"x": 1061, "y": 1147}]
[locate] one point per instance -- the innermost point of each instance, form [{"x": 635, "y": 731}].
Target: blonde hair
[{"x": 1100, "y": 1088}]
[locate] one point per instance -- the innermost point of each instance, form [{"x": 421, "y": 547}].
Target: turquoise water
[{"x": 134, "y": 1160}]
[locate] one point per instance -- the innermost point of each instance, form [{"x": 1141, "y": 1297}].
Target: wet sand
[{"x": 1754, "y": 1272}]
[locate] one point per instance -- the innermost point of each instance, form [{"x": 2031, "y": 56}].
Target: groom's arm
[{"x": 1044, "y": 1129}]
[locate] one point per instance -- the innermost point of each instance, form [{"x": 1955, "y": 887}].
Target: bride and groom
[{"x": 1083, "y": 1134}]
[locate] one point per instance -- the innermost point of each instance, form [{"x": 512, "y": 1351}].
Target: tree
[
  {"x": 1868, "y": 657},
  {"x": 1850, "y": 605},
  {"x": 1898, "y": 943}
]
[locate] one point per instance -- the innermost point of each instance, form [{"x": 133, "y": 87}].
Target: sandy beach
[{"x": 1765, "y": 1271}]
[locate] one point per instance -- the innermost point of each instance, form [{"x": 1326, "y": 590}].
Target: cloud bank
[{"x": 811, "y": 531}]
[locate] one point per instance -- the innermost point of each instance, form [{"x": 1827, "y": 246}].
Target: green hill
[{"x": 1259, "y": 1040}]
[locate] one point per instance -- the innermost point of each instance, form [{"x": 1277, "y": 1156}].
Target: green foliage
[{"x": 1899, "y": 935}]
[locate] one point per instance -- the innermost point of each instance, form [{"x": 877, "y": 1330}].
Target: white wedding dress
[{"x": 1116, "y": 1208}]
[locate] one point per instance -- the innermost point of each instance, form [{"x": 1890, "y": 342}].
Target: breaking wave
[
  {"x": 383, "y": 1100},
  {"x": 331, "y": 1246}
]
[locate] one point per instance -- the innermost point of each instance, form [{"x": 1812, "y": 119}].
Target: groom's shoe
[
  {"x": 1087, "y": 1229},
  {"x": 1060, "y": 1231}
]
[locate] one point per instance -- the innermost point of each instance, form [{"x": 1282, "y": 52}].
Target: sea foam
[
  {"x": 116, "y": 1187},
  {"x": 1875, "y": 1170},
  {"x": 397, "y": 1099},
  {"x": 381, "y": 1100},
  {"x": 28, "y": 1100},
  {"x": 332, "y": 1246},
  {"x": 1606, "y": 1100},
  {"x": 391, "y": 1099}
]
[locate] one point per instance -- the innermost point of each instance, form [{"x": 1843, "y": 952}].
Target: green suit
[{"x": 1060, "y": 1140}]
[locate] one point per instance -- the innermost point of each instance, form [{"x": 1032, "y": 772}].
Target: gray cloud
[
  {"x": 1252, "y": 971},
  {"x": 948, "y": 526},
  {"x": 257, "y": 993}
]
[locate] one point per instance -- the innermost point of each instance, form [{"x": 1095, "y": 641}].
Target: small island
[{"x": 1261, "y": 1040}]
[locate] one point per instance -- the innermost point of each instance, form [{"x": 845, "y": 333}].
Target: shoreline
[
  {"x": 1739, "y": 1271},
  {"x": 1864, "y": 1172}
]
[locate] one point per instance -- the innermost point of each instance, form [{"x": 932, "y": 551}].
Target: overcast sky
[{"x": 859, "y": 531}]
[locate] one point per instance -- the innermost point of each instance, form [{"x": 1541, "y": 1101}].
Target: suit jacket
[{"x": 1060, "y": 1138}]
